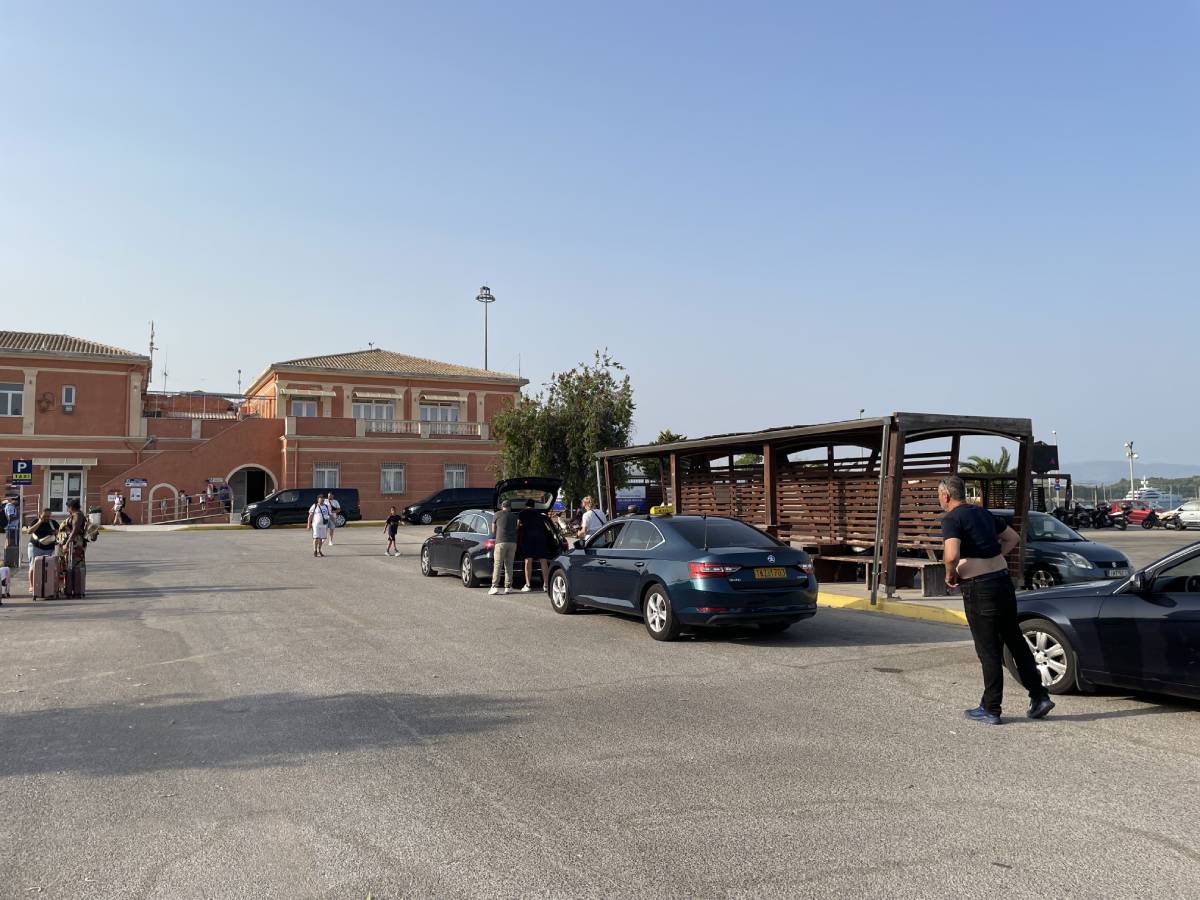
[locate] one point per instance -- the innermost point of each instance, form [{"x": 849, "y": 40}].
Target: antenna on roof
[
  {"x": 153, "y": 347},
  {"x": 370, "y": 345},
  {"x": 239, "y": 381}
]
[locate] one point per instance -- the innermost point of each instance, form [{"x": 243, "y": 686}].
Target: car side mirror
[
  {"x": 438, "y": 530},
  {"x": 578, "y": 545},
  {"x": 1137, "y": 582}
]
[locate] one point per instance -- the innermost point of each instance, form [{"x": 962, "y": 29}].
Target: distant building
[{"x": 395, "y": 427}]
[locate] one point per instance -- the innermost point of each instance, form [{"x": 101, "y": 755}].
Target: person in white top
[
  {"x": 593, "y": 519},
  {"x": 334, "y": 509},
  {"x": 318, "y": 521}
]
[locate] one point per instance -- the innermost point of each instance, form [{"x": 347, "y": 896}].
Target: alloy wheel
[
  {"x": 426, "y": 519},
  {"x": 657, "y": 614},
  {"x": 424, "y": 560},
  {"x": 263, "y": 521},
  {"x": 1041, "y": 579},
  {"x": 1049, "y": 655},
  {"x": 558, "y": 590},
  {"x": 468, "y": 575}
]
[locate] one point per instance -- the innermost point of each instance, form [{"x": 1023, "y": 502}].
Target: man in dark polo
[{"x": 976, "y": 543}]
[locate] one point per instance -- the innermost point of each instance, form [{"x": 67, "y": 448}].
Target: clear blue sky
[{"x": 771, "y": 213}]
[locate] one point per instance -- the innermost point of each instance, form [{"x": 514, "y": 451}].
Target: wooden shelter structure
[{"x": 838, "y": 489}]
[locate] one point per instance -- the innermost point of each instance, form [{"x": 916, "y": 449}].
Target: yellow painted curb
[{"x": 908, "y": 609}]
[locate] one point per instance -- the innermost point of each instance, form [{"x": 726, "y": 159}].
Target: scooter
[
  {"x": 1167, "y": 520},
  {"x": 1101, "y": 517},
  {"x": 1119, "y": 520}
]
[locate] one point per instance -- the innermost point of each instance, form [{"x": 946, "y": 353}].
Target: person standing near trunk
[
  {"x": 504, "y": 530},
  {"x": 534, "y": 543},
  {"x": 975, "y": 544}
]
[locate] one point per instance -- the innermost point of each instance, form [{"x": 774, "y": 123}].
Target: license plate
[
  {"x": 1118, "y": 573},
  {"x": 777, "y": 572}
]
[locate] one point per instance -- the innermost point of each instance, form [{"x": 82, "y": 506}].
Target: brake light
[
  {"x": 489, "y": 544},
  {"x": 711, "y": 570},
  {"x": 805, "y": 567}
]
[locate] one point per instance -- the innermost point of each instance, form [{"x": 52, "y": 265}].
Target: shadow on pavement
[{"x": 244, "y": 732}]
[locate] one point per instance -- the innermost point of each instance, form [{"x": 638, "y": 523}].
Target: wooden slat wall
[
  {"x": 736, "y": 492},
  {"x": 820, "y": 505}
]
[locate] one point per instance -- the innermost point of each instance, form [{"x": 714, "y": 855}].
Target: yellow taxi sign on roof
[{"x": 665, "y": 510}]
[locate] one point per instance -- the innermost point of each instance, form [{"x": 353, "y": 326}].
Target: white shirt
[
  {"x": 319, "y": 511},
  {"x": 593, "y": 521}
]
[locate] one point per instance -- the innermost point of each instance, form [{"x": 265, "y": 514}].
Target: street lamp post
[
  {"x": 485, "y": 297},
  {"x": 1131, "y": 456}
]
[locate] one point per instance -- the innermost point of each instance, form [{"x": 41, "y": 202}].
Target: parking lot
[{"x": 226, "y": 716}]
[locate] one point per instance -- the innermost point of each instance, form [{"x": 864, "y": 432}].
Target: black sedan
[
  {"x": 1139, "y": 633},
  {"x": 686, "y": 571},
  {"x": 465, "y": 545},
  {"x": 1057, "y": 554}
]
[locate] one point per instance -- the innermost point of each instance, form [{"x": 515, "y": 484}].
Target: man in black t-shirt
[
  {"x": 975, "y": 544},
  {"x": 389, "y": 528}
]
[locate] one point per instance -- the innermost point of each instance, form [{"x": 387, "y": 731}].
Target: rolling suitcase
[
  {"x": 76, "y": 582},
  {"x": 45, "y": 578},
  {"x": 12, "y": 557}
]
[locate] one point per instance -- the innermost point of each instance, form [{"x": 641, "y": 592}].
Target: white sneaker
[
  {"x": 525, "y": 590},
  {"x": 387, "y": 552},
  {"x": 509, "y": 591},
  {"x": 495, "y": 590}
]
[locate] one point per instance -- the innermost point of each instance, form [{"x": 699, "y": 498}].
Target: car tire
[
  {"x": 262, "y": 522},
  {"x": 657, "y": 613},
  {"x": 1042, "y": 577},
  {"x": 1180, "y": 526},
  {"x": 339, "y": 521},
  {"x": 560, "y": 593},
  {"x": 1120, "y": 524},
  {"x": 1147, "y": 524},
  {"x": 426, "y": 518},
  {"x": 466, "y": 571},
  {"x": 427, "y": 568},
  {"x": 775, "y": 627},
  {"x": 1055, "y": 658}
]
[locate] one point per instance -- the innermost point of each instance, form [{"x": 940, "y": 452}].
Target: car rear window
[{"x": 722, "y": 533}]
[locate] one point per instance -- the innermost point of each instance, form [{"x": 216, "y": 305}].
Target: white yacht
[{"x": 1156, "y": 498}]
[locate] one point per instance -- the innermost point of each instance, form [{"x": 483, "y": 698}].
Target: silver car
[{"x": 1189, "y": 513}]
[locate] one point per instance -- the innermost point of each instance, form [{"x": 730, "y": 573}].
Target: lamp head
[{"x": 485, "y": 295}]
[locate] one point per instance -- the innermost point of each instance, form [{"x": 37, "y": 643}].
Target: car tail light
[
  {"x": 805, "y": 567},
  {"x": 711, "y": 570},
  {"x": 489, "y": 544}
]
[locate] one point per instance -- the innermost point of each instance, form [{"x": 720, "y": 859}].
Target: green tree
[
  {"x": 558, "y": 432},
  {"x": 651, "y": 467},
  {"x": 982, "y": 465},
  {"x": 748, "y": 459}
]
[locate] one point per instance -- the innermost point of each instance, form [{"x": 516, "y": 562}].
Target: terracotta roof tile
[
  {"x": 36, "y": 342},
  {"x": 387, "y": 362}
]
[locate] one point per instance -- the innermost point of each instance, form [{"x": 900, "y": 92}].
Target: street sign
[
  {"x": 22, "y": 471},
  {"x": 136, "y": 482},
  {"x": 216, "y": 479}
]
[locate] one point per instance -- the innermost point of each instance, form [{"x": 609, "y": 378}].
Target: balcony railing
[{"x": 423, "y": 429}]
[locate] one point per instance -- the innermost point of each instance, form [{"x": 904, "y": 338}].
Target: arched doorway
[{"x": 249, "y": 484}]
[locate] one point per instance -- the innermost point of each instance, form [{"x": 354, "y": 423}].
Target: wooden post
[
  {"x": 676, "y": 485},
  {"x": 770, "y": 501},
  {"x": 663, "y": 483},
  {"x": 955, "y": 451},
  {"x": 1021, "y": 501},
  {"x": 891, "y": 522},
  {"x": 610, "y": 492}
]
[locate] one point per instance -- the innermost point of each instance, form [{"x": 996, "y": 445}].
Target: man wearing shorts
[{"x": 389, "y": 528}]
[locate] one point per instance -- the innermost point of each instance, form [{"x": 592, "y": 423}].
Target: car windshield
[
  {"x": 1047, "y": 528},
  {"x": 722, "y": 533}
]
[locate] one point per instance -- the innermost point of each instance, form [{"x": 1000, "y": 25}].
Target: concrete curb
[
  {"x": 908, "y": 609},
  {"x": 163, "y": 529}
]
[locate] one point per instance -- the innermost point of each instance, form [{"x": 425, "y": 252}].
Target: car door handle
[
  {"x": 639, "y": 565},
  {"x": 602, "y": 562}
]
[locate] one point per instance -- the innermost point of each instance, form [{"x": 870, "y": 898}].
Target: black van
[
  {"x": 291, "y": 506},
  {"x": 448, "y": 503}
]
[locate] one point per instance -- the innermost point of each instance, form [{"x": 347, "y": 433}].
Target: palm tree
[{"x": 982, "y": 465}]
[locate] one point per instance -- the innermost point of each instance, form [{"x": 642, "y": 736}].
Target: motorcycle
[
  {"x": 1119, "y": 520},
  {"x": 1101, "y": 518},
  {"x": 1166, "y": 520}
]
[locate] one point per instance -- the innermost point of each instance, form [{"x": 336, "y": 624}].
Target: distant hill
[{"x": 1108, "y": 472}]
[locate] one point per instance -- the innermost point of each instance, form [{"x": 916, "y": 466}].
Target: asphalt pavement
[{"x": 225, "y": 716}]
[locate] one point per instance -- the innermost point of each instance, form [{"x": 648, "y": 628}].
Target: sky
[{"x": 770, "y": 213}]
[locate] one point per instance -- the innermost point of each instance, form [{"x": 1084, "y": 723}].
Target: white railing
[{"x": 424, "y": 429}]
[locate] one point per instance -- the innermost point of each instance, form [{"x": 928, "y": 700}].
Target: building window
[
  {"x": 304, "y": 408},
  {"x": 391, "y": 478},
  {"x": 456, "y": 476},
  {"x": 374, "y": 409},
  {"x": 325, "y": 475},
  {"x": 12, "y": 399},
  {"x": 439, "y": 412},
  {"x": 68, "y": 395},
  {"x": 65, "y": 485}
]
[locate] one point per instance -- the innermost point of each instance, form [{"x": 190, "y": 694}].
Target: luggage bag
[
  {"x": 45, "y": 578},
  {"x": 12, "y": 557},
  {"x": 76, "y": 582}
]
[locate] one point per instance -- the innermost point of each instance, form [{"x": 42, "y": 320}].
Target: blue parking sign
[{"x": 22, "y": 471}]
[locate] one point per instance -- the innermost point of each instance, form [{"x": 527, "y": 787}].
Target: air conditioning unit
[{"x": 68, "y": 408}]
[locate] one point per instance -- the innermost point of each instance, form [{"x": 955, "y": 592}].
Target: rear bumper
[{"x": 728, "y": 607}]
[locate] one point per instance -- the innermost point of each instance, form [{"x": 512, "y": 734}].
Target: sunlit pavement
[{"x": 225, "y": 716}]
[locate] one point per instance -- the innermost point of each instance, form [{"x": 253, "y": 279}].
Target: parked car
[
  {"x": 685, "y": 572},
  {"x": 446, "y": 504},
  {"x": 291, "y": 506},
  {"x": 1137, "y": 509},
  {"x": 1189, "y": 513},
  {"x": 1057, "y": 554},
  {"x": 1139, "y": 633},
  {"x": 466, "y": 545}
]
